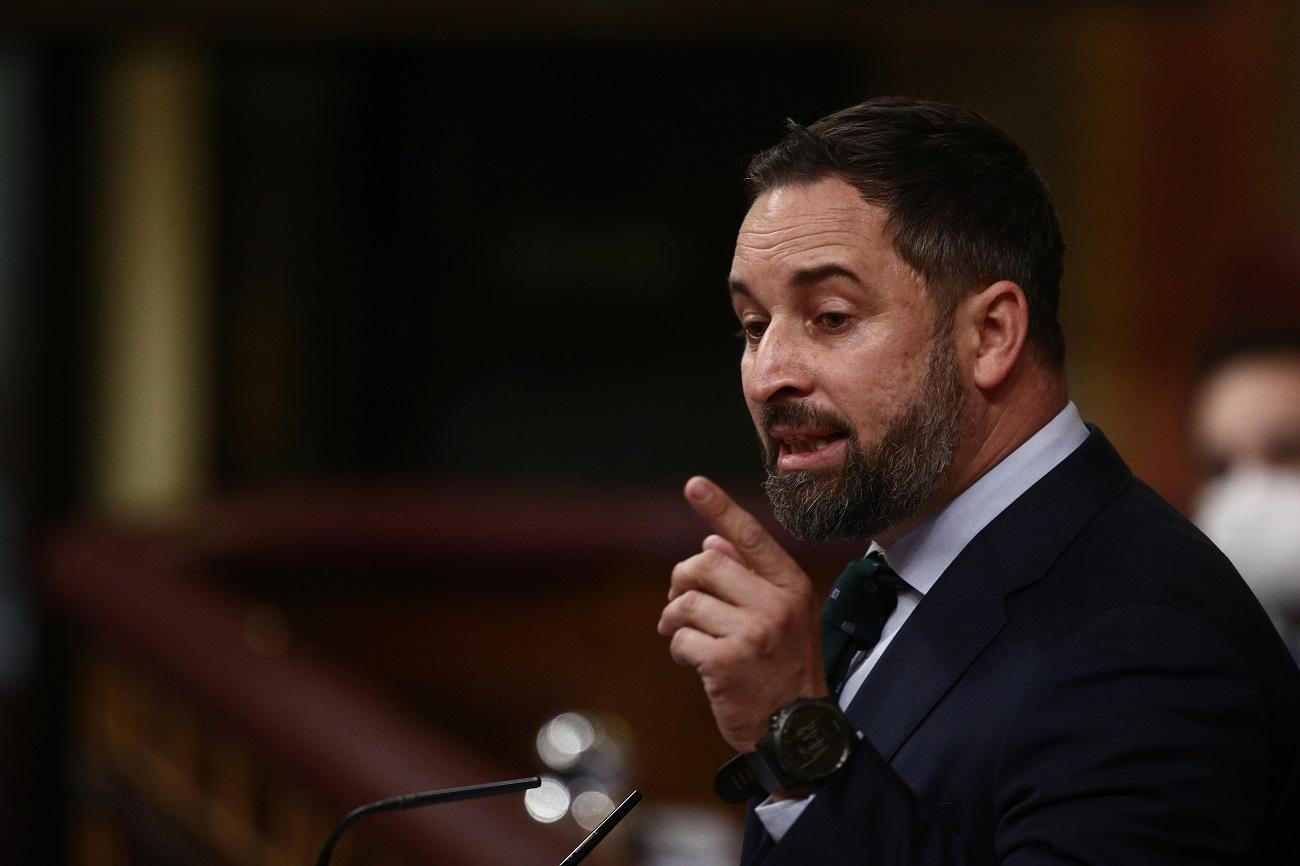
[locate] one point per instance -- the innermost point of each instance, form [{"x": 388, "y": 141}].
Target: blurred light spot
[
  {"x": 606, "y": 758},
  {"x": 590, "y": 808},
  {"x": 564, "y": 739},
  {"x": 549, "y": 802},
  {"x": 681, "y": 834}
]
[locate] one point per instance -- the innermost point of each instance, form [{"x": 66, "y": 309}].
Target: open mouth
[
  {"x": 809, "y": 444},
  {"x": 807, "y": 449}
]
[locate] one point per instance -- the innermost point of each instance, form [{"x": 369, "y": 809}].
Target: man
[
  {"x": 1245, "y": 428},
  {"x": 1044, "y": 661}
]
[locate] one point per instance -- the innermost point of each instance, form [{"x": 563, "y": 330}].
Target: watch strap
[
  {"x": 736, "y": 782},
  {"x": 767, "y": 773}
]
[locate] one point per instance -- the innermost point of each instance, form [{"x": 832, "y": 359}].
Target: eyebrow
[{"x": 803, "y": 278}]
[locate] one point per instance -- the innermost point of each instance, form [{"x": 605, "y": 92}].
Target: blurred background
[{"x": 352, "y": 355}]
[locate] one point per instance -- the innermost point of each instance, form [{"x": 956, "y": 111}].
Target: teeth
[{"x": 803, "y": 446}]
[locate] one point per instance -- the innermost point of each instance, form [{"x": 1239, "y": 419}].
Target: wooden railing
[{"x": 245, "y": 676}]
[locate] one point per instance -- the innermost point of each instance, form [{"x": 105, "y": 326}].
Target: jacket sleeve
[{"x": 1141, "y": 739}]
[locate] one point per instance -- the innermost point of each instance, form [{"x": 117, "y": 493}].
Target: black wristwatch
[{"x": 807, "y": 742}]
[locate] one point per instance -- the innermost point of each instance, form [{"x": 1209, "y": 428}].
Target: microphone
[
  {"x": 423, "y": 798},
  {"x": 602, "y": 830},
  {"x": 469, "y": 792}
]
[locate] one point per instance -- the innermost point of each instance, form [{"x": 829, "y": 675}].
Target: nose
[{"x": 778, "y": 369}]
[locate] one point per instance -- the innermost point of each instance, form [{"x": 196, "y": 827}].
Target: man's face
[
  {"x": 1248, "y": 414},
  {"x": 854, "y": 390}
]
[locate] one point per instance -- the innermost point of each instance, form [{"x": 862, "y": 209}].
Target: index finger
[{"x": 759, "y": 550}]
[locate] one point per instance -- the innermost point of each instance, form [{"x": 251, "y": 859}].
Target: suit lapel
[
  {"x": 941, "y": 638},
  {"x": 757, "y": 842},
  {"x": 965, "y": 608}
]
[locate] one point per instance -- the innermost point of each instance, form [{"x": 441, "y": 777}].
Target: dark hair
[
  {"x": 1247, "y": 342},
  {"x": 965, "y": 206}
]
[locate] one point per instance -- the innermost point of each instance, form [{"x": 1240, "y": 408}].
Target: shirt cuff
[{"x": 779, "y": 815}]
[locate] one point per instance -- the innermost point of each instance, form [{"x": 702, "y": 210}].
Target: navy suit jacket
[{"x": 1089, "y": 682}]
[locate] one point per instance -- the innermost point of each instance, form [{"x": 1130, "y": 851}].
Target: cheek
[
  {"x": 755, "y": 415},
  {"x": 746, "y": 378},
  {"x": 877, "y": 391}
]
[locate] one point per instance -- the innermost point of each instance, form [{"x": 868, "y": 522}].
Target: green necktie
[{"x": 863, "y": 598}]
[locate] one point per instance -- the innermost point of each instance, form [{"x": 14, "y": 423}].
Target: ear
[{"x": 996, "y": 322}]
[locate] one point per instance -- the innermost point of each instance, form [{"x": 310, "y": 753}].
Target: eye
[
  {"x": 752, "y": 331},
  {"x": 832, "y": 321}
]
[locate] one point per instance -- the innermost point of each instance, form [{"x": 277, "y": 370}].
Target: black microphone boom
[
  {"x": 611, "y": 820},
  {"x": 424, "y": 798}
]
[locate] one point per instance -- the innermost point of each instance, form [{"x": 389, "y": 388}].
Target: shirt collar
[{"x": 926, "y": 551}]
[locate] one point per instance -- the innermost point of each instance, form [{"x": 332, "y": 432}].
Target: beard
[{"x": 876, "y": 488}]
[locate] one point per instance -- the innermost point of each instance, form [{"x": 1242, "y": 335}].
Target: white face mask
[{"x": 1253, "y": 515}]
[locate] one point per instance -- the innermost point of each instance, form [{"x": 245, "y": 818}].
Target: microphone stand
[
  {"x": 469, "y": 792},
  {"x": 423, "y": 798}
]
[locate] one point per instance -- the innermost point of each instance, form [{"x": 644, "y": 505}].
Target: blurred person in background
[
  {"x": 1039, "y": 661},
  {"x": 1245, "y": 431}
]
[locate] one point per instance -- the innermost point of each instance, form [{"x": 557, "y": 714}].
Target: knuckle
[
  {"x": 758, "y": 634},
  {"x": 749, "y": 534},
  {"x": 682, "y": 573},
  {"x": 677, "y": 646},
  {"x": 751, "y": 637},
  {"x": 730, "y": 655},
  {"x": 782, "y": 617},
  {"x": 763, "y": 634}
]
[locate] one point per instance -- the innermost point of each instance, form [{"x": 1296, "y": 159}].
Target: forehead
[
  {"x": 807, "y": 225},
  {"x": 1250, "y": 402}
]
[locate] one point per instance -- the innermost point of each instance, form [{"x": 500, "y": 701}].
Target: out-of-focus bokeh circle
[
  {"x": 549, "y": 802},
  {"x": 564, "y": 739},
  {"x": 590, "y": 808}
]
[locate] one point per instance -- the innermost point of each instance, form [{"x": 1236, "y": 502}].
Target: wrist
[{"x": 807, "y": 742}]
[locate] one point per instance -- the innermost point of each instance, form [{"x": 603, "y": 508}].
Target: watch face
[{"x": 813, "y": 742}]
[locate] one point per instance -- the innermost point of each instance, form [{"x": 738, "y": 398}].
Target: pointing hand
[{"x": 744, "y": 615}]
